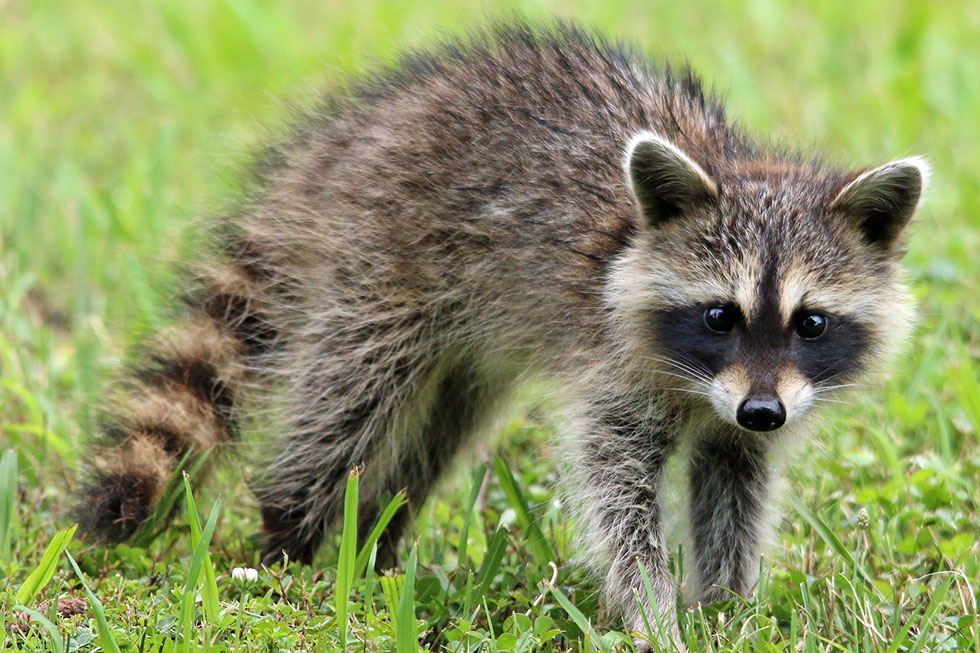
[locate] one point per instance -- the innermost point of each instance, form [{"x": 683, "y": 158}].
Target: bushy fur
[{"x": 464, "y": 219}]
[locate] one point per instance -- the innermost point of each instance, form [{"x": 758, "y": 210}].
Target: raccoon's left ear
[
  {"x": 664, "y": 180},
  {"x": 884, "y": 199}
]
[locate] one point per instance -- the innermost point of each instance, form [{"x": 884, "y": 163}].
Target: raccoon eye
[
  {"x": 721, "y": 319},
  {"x": 810, "y": 326}
]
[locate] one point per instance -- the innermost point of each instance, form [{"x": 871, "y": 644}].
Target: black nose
[{"x": 761, "y": 413}]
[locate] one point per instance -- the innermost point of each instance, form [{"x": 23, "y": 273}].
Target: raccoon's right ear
[{"x": 664, "y": 180}]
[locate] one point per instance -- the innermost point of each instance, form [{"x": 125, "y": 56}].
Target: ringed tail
[{"x": 179, "y": 398}]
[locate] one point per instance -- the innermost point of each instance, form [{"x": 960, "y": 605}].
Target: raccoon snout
[{"x": 762, "y": 412}]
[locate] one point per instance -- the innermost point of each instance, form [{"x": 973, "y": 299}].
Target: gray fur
[{"x": 465, "y": 219}]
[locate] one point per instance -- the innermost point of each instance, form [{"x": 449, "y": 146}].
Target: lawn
[{"x": 122, "y": 122}]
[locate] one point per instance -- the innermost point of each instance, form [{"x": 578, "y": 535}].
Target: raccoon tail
[{"x": 176, "y": 404}]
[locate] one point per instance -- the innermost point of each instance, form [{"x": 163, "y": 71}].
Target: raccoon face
[{"x": 762, "y": 287}]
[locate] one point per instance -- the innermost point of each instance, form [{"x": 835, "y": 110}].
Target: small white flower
[
  {"x": 863, "y": 518},
  {"x": 246, "y": 574}
]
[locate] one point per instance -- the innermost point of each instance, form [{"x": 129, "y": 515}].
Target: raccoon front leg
[
  {"x": 729, "y": 478},
  {"x": 620, "y": 467}
]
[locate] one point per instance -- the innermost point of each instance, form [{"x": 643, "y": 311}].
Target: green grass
[{"x": 120, "y": 122}]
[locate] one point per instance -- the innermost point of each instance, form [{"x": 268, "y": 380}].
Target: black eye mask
[{"x": 712, "y": 335}]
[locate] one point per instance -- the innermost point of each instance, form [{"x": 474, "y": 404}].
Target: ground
[{"x": 121, "y": 122}]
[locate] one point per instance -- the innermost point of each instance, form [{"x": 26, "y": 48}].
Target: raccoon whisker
[
  {"x": 818, "y": 376},
  {"x": 684, "y": 376},
  {"x": 827, "y": 388},
  {"x": 672, "y": 363},
  {"x": 695, "y": 372},
  {"x": 685, "y": 360},
  {"x": 827, "y": 401},
  {"x": 823, "y": 382},
  {"x": 694, "y": 380},
  {"x": 697, "y": 368},
  {"x": 692, "y": 361},
  {"x": 691, "y": 375},
  {"x": 693, "y": 392}
]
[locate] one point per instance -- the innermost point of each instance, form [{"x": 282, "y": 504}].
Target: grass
[{"x": 120, "y": 122}]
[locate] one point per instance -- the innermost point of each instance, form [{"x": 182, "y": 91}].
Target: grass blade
[
  {"x": 390, "y": 591},
  {"x": 186, "y": 617},
  {"x": 537, "y": 543},
  {"x": 57, "y": 643},
  {"x": 209, "y": 594},
  {"x": 360, "y": 564},
  {"x": 967, "y": 387},
  {"x": 580, "y": 619},
  {"x": 496, "y": 548},
  {"x": 106, "y": 640},
  {"x": 925, "y": 624},
  {"x": 406, "y": 632},
  {"x": 661, "y": 634},
  {"x": 829, "y": 537},
  {"x": 45, "y": 569},
  {"x": 369, "y": 584},
  {"x": 345, "y": 562},
  {"x": 468, "y": 592},
  {"x": 464, "y": 533},
  {"x": 8, "y": 496}
]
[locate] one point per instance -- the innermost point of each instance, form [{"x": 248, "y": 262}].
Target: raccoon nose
[{"x": 761, "y": 413}]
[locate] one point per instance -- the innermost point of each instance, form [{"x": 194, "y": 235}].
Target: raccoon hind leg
[
  {"x": 402, "y": 432},
  {"x": 463, "y": 401},
  {"x": 343, "y": 408}
]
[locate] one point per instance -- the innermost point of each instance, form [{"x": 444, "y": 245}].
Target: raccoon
[{"x": 525, "y": 202}]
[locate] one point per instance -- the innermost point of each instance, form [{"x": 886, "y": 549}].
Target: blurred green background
[{"x": 120, "y": 123}]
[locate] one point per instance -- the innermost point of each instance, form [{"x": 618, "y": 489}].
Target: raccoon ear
[
  {"x": 884, "y": 199},
  {"x": 664, "y": 180}
]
